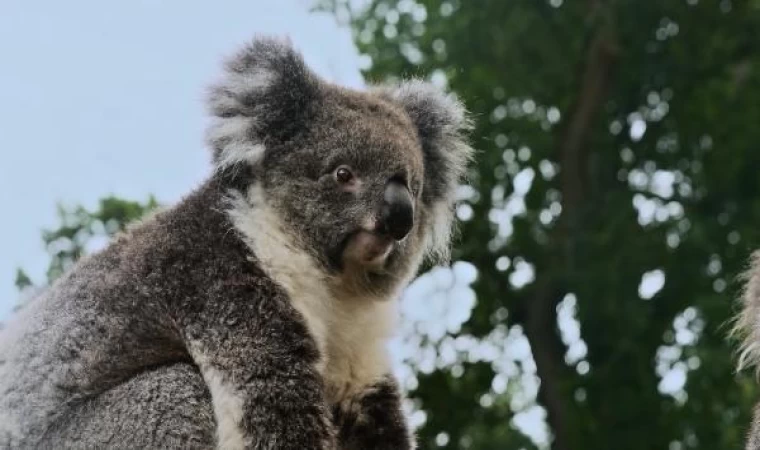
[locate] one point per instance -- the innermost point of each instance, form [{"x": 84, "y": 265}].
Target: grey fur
[
  {"x": 192, "y": 330},
  {"x": 753, "y": 436},
  {"x": 442, "y": 123},
  {"x": 747, "y": 327}
]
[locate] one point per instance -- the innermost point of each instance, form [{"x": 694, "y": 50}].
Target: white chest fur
[{"x": 351, "y": 333}]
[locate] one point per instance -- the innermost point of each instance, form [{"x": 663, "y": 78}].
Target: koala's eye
[{"x": 343, "y": 175}]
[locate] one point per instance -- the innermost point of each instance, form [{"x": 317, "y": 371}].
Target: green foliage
[
  {"x": 81, "y": 229},
  {"x": 628, "y": 130},
  {"x": 22, "y": 280}
]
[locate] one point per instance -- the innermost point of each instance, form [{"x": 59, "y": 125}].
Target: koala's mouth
[{"x": 367, "y": 250}]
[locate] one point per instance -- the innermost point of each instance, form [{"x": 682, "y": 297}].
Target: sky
[{"x": 100, "y": 98}]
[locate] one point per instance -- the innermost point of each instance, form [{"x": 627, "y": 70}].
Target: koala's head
[{"x": 364, "y": 181}]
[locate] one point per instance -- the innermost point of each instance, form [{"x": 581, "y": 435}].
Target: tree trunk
[{"x": 572, "y": 154}]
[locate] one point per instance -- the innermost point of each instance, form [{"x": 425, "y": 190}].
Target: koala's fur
[
  {"x": 748, "y": 328},
  {"x": 234, "y": 319}
]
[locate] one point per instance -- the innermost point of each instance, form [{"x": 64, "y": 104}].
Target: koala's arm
[
  {"x": 372, "y": 419},
  {"x": 258, "y": 361}
]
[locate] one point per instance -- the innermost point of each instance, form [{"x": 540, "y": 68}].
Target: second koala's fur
[
  {"x": 748, "y": 327},
  {"x": 254, "y": 313}
]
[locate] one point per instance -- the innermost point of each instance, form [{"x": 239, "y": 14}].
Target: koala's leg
[
  {"x": 373, "y": 420},
  {"x": 169, "y": 407},
  {"x": 259, "y": 362}
]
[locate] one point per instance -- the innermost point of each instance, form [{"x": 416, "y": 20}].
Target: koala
[
  {"x": 747, "y": 326},
  {"x": 253, "y": 313}
]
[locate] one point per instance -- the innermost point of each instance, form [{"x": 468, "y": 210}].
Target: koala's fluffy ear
[
  {"x": 265, "y": 92},
  {"x": 443, "y": 126}
]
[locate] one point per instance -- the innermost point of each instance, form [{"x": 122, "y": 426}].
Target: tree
[
  {"x": 80, "y": 232},
  {"x": 615, "y": 189}
]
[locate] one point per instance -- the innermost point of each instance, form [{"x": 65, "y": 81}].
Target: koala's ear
[
  {"x": 265, "y": 92},
  {"x": 443, "y": 127}
]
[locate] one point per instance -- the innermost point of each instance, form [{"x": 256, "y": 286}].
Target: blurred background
[{"x": 612, "y": 208}]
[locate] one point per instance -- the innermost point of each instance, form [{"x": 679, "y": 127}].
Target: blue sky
[{"x": 102, "y": 98}]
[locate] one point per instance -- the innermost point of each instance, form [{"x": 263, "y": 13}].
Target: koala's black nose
[{"x": 397, "y": 214}]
